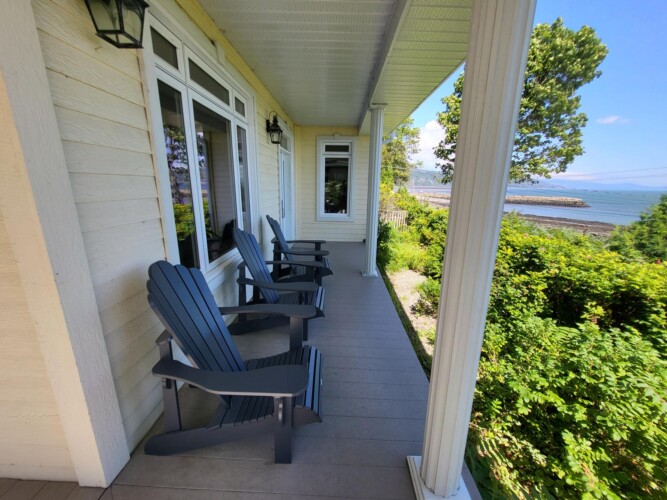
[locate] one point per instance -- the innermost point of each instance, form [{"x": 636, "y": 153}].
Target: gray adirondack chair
[
  {"x": 268, "y": 290},
  {"x": 283, "y": 248},
  {"x": 275, "y": 393}
]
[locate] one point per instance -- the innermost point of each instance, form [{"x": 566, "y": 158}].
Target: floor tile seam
[
  {"x": 249, "y": 460},
  {"x": 251, "y": 492}
]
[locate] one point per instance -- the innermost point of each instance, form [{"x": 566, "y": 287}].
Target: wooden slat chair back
[
  {"x": 183, "y": 301},
  {"x": 272, "y": 394},
  {"x": 252, "y": 256},
  {"x": 280, "y": 236},
  {"x": 311, "y": 251}
]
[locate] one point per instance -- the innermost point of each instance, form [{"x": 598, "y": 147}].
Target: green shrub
[
  {"x": 572, "y": 386},
  {"x": 566, "y": 413},
  {"x": 648, "y": 235}
]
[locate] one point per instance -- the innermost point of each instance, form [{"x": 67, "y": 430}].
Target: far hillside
[{"x": 421, "y": 177}]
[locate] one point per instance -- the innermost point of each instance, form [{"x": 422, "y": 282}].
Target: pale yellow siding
[
  {"x": 103, "y": 118},
  {"x": 308, "y": 227},
  {"x": 98, "y": 95},
  {"x": 32, "y": 440}
]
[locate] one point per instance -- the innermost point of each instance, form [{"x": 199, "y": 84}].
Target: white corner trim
[
  {"x": 421, "y": 490},
  {"x": 37, "y": 205}
]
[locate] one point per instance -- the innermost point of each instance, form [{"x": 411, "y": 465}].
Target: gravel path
[{"x": 405, "y": 285}]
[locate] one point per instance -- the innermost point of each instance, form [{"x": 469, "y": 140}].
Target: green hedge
[{"x": 572, "y": 385}]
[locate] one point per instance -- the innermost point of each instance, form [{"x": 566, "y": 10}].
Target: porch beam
[
  {"x": 498, "y": 45},
  {"x": 373, "y": 207},
  {"x": 37, "y": 206}
]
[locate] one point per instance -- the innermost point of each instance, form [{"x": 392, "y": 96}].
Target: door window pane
[
  {"x": 179, "y": 174},
  {"x": 243, "y": 177},
  {"x": 335, "y": 185},
  {"x": 216, "y": 173}
]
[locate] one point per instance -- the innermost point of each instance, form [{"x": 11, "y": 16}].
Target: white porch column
[
  {"x": 372, "y": 212},
  {"x": 498, "y": 45}
]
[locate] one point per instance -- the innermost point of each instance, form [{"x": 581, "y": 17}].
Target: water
[{"x": 613, "y": 207}]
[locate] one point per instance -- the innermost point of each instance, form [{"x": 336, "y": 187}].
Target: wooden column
[
  {"x": 498, "y": 45},
  {"x": 373, "y": 209}
]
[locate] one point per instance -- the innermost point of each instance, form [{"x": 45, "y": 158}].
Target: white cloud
[
  {"x": 611, "y": 120},
  {"x": 430, "y": 136}
]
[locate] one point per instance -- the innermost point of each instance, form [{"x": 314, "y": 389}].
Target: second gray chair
[{"x": 267, "y": 289}]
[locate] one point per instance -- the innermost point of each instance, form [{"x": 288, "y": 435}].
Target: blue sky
[{"x": 625, "y": 140}]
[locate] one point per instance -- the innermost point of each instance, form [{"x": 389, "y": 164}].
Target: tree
[
  {"x": 397, "y": 153},
  {"x": 648, "y": 235},
  {"x": 549, "y": 130}
]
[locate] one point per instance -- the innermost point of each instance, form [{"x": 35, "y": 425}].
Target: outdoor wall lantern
[
  {"x": 119, "y": 22},
  {"x": 274, "y": 130}
]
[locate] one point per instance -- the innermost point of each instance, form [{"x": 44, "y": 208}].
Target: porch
[{"x": 373, "y": 409}]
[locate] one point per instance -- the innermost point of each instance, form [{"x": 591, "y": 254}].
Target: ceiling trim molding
[{"x": 401, "y": 8}]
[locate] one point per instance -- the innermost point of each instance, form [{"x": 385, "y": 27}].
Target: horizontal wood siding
[
  {"x": 32, "y": 440},
  {"x": 98, "y": 95},
  {"x": 306, "y": 199}
]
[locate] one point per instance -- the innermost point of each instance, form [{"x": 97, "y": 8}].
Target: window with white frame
[
  {"x": 206, "y": 135},
  {"x": 335, "y": 166}
]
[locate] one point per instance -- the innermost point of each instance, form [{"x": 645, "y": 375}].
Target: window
[
  {"x": 334, "y": 172},
  {"x": 206, "y": 153}
]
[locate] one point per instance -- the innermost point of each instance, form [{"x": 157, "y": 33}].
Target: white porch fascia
[
  {"x": 38, "y": 207},
  {"x": 498, "y": 46}
]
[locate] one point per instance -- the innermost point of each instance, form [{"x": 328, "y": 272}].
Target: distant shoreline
[
  {"x": 551, "y": 201},
  {"x": 439, "y": 200}
]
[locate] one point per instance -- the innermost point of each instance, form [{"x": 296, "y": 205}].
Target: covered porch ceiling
[{"x": 327, "y": 61}]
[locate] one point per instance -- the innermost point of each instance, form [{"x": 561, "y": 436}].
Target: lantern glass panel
[{"x": 105, "y": 14}]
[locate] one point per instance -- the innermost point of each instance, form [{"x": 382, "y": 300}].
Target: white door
[{"x": 286, "y": 193}]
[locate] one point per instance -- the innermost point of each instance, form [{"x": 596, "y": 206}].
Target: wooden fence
[{"x": 395, "y": 217}]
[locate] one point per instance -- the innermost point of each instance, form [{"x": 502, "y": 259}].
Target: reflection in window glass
[
  {"x": 164, "y": 48},
  {"x": 335, "y": 185},
  {"x": 179, "y": 174},
  {"x": 243, "y": 177},
  {"x": 239, "y": 106},
  {"x": 216, "y": 172},
  {"x": 209, "y": 83}
]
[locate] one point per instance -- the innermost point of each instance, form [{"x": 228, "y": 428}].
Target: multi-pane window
[
  {"x": 335, "y": 166},
  {"x": 206, "y": 148}
]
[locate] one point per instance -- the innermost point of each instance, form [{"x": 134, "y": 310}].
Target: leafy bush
[
  {"x": 563, "y": 412},
  {"x": 648, "y": 235},
  {"x": 572, "y": 388}
]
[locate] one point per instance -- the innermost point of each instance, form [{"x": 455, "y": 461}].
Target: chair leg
[
  {"x": 172, "y": 411},
  {"x": 283, "y": 430},
  {"x": 296, "y": 332}
]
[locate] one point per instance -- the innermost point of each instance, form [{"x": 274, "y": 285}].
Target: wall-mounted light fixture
[
  {"x": 274, "y": 130},
  {"x": 119, "y": 22}
]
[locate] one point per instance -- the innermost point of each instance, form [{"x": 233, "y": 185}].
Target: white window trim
[
  {"x": 321, "y": 141},
  {"x": 152, "y": 65}
]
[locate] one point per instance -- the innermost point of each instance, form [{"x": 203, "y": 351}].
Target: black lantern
[
  {"x": 274, "y": 130},
  {"x": 119, "y": 22}
]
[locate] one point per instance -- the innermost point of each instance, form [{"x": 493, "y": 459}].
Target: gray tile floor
[{"x": 373, "y": 409}]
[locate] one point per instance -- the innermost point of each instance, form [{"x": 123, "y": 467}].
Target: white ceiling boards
[{"x": 326, "y": 61}]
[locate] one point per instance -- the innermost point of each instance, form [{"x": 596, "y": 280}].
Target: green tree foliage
[
  {"x": 571, "y": 397},
  {"x": 648, "y": 235},
  {"x": 397, "y": 153},
  {"x": 549, "y": 130}
]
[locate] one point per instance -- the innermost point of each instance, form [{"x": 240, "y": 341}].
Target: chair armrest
[
  {"x": 315, "y": 253},
  {"x": 304, "y": 311},
  {"x": 275, "y": 381},
  {"x": 314, "y": 242},
  {"x": 302, "y": 263},
  {"x": 164, "y": 338},
  {"x": 280, "y": 287}
]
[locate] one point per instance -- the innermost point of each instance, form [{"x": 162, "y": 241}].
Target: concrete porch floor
[{"x": 373, "y": 410}]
